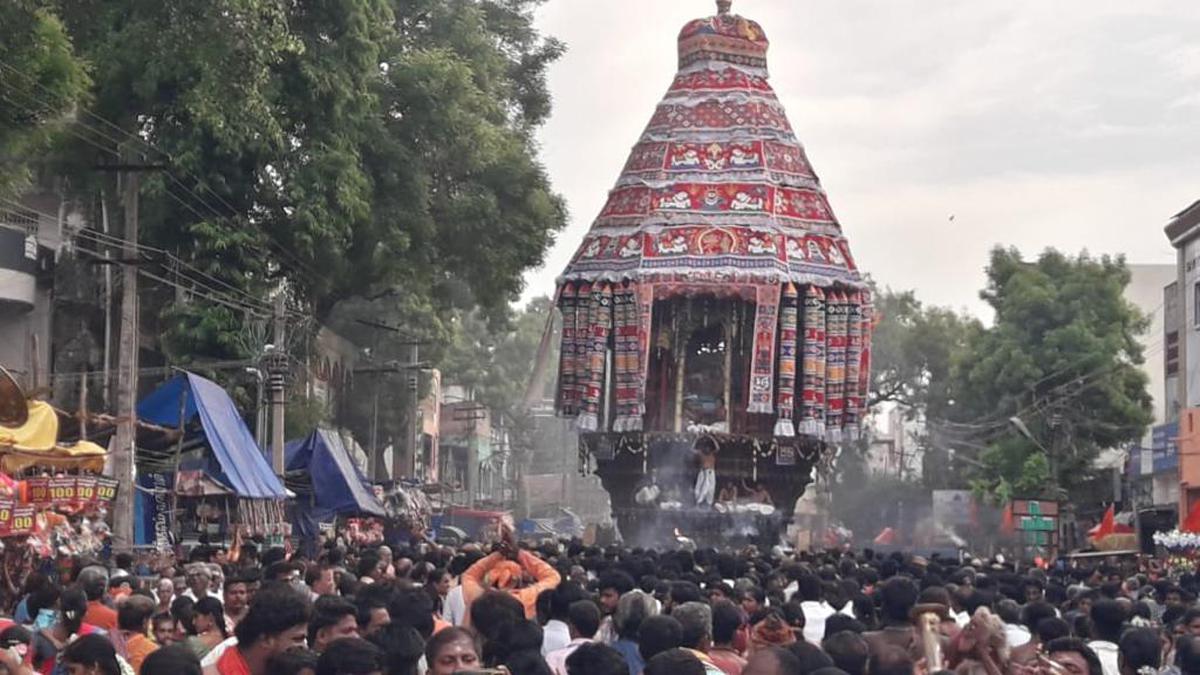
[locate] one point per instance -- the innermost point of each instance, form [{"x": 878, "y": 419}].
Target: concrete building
[
  {"x": 1146, "y": 292},
  {"x": 1183, "y": 231},
  {"x": 1152, "y": 468},
  {"x": 893, "y": 450},
  {"x": 32, "y": 235}
]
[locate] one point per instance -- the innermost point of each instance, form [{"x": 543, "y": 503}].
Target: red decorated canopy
[
  {"x": 718, "y": 197},
  {"x": 718, "y": 188}
]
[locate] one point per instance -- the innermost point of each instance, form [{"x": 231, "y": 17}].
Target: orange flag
[
  {"x": 1192, "y": 522},
  {"x": 1108, "y": 524},
  {"x": 1007, "y": 522}
]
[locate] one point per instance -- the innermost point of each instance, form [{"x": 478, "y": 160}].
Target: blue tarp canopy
[
  {"x": 239, "y": 463},
  {"x": 339, "y": 488}
]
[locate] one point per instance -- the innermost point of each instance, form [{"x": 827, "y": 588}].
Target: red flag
[
  {"x": 1107, "y": 526},
  {"x": 1192, "y": 522},
  {"x": 886, "y": 537},
  {"x": 1007, "y": 523}
]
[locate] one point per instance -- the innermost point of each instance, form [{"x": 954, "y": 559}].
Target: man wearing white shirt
[
  {"x": 584, "y": 621},
  {"x": 816, "y": 611},
  {"x": 557, "y": 634},
  {"x": 1107, "y": 619},
  {"x": 454, "y": 608}
]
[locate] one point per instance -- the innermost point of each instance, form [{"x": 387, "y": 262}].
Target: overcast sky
[{"x": 1035, "y": 123}]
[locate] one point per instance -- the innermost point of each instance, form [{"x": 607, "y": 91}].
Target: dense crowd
[{"x": 563, "y": 608}]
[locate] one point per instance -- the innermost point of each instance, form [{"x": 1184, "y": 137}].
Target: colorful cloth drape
[
  {"x": 812, "y": 404},
  {"x": 835, "y": 368},
  {"x": 600, "y": 320},
  {"x": 568, "y": 403},
  {"x": 785, "y": 398},
  {"x": 583, "y": 342},
  {"x": 626, "y": 350},
  {"x": 854, "y": 334},
  {"x": 762, "y": 369},
  {"x": 645, "y": 309},
  {"x": 864, "y": 358}
]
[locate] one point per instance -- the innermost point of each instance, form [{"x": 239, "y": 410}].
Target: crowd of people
[{"x": 563, "y": 608}]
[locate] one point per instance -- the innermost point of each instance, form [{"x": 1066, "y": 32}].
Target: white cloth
[
  {"x": 555, "y": 636},
  {"x": 1016, "y": 635},
  {"x": 1107, "y": 652},
  {"x": 189, "y": 593},
  {"x": 706, "y": 487},
  {"x": 815, "y": 614},
  {"x": 214, "y": 654},
  {"x": 454, "y": 608},
  {"x": 557, "y": 659},
  {"x": 607, "y": 634},
  {"x": 962, "y": 619}
]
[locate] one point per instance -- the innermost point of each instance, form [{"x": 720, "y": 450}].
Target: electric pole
[
  {"x": 413, "y": 446},
  {"x": 125, "y": 443},
  {"x": 277, "y": 365}
]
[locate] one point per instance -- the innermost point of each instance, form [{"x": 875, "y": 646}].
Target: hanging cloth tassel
[
  {"x": 852, "y": 420},
  {"x": 864, "y": 357},
  {"x": 785, "y": 399},
  {"x": 645, "y": 318},
  {"x": 812, "y": 395},
  {"x": 567, "y": 402},
  {"x": 583, "y": 343},
  {"x": 835, "y": 372},
  {"x": 762, "y": 374},
  {"x": 625, "y": 356},
  {"x": 601, "y": 321}
]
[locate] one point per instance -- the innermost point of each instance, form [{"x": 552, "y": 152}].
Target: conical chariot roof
[{"x": 718, "y": 189}]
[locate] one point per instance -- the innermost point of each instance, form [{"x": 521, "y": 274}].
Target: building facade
[{"x": 1182, "y": 349}]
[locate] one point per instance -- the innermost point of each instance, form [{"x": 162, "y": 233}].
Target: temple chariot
[{"x": 715, "y": 328}]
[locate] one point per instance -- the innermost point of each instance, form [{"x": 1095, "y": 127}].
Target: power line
[
  {"x": 100, "y": 238},
  {"x": 251, "y": 303},
  {"x": 232, "y": 211},
  {"x": 204, "y": 291}
]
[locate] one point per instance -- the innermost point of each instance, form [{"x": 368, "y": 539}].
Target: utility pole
[
  {"x": 125, "y": 443},
  {"x": 402, "y": 457},
  {"x": 277, "y": 365},
  {"x": 413, "y": 445}
]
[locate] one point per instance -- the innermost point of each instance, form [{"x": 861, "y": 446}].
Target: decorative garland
[{"x": 1177, "y": 540}]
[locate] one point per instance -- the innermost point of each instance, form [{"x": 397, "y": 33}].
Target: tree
[
  {"x": 912, "y": 351},
  {"x": 41, "y": 80},
  {"x": 495, "y": 360},
  {"x": 372, "y": 152},
  {"x": 1062, "y": 357},
  {"x": 914, "y": 347}
]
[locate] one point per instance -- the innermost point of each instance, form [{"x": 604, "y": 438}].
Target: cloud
[{"x": 1070, "y": 123}]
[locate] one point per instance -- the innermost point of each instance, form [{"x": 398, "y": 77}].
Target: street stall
[
  {"x": 218, "y": 479},
  {"x": 327, "y": 483},
  {"x": 715, "y": 340},
  {"x": 52, "y": 500}
]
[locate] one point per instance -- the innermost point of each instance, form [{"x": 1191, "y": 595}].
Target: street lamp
[{"x": 1022, "y": 429}]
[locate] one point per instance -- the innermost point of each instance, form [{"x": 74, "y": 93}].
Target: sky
[{"x": 939, "y": 128}]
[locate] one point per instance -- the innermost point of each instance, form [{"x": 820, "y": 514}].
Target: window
[{"x": 1196, "y": 304}]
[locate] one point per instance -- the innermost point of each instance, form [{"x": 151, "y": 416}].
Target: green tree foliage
[
  {"x": 1063, "y": 357},
  {"x": 358, "y": 149},
  {"x": 41, "y": 81},
  {"x": 496, "y": 361},
  {"x": 912, "y": 352},
  {"x": 913, "y": 347}
]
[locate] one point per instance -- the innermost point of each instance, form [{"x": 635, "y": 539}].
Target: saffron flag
[
  {"x": 1108, "y": 525},
  {"x": 1192, "y": 522}
]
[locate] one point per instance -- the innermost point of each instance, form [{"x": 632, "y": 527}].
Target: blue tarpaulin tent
[
  {"x": 338, "y": 487},
  {"x": 239, "y": 463}
]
